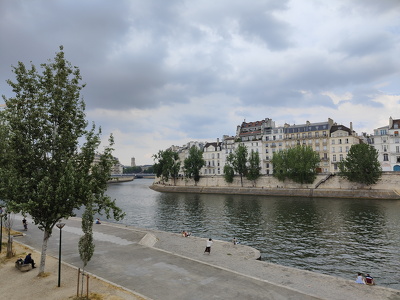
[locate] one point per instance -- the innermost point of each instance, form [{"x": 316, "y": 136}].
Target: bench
[{"x": 19, "y": 264}]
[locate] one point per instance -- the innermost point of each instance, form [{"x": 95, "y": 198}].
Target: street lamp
[
  {"x": 1, "y": 229},
  {"x": 60, "y": 226}
]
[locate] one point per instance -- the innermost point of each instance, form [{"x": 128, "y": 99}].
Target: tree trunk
[
  {"x": 241, "y": 179},
  {"x": 46, "y": 237}
]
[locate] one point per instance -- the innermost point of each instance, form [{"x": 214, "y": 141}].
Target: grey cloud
[{"x": 367, "y": 44}]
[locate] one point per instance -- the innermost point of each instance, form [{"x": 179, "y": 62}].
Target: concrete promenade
[{"x": 161, "y": 265}]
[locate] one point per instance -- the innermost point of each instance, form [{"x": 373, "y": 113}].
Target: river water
[{"x": 338, "y": 237}]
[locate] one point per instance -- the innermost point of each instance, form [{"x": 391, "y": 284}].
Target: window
[
  {"x": 398, "y": 159},
  {"x": 333, "y": 149},
  {"x": 309, "y": 134},
  {"x": 317, "y": 134},
  {"x": 316, "y": 148},
  {"x": 397, "y": 149},
  {"x": 334, "y": 157},
  {"x": 340, "y": 149},
  {"x": 324, "y": 148},
  {"x": 340, "y": 141},
  {"x": 347, "y": 141},
  {"x": 385, "y": 157},
  {"x": 341, "y": 157},
  {"x": 383, "y": 131},
  {"x": 324, "y": 133},
  {"x": 333, "y": 142},
  {"x": 347, "y": 149}
]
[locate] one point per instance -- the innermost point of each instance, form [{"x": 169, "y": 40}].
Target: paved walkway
[{"x": 165, "y": 266}]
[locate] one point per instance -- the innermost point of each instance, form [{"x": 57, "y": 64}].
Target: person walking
[
  {"x": 25, "y": 224},
  {"x": 208, "y": 246}
]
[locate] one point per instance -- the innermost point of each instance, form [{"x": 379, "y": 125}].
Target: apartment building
[
  {"x": 386, "y": 141},
  {"x": 341, "y": 139},
  {"x": 331, "y": 141}
]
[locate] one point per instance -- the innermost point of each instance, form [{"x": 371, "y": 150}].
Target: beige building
[{"x": 341, "y": 140}]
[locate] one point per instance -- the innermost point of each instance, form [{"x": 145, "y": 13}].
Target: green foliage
[
  {"x": 45, "y": 171},
  {"x": 130, "y": 170},
  {"x": 361, "y": 165},
  {"x": 149, "y": 170},
  {"x": 229, "y": 173},
  {"x": 238, "y": 161},
  {"x": 167, "y": 164},
  {"x": 254, "y": 168},
  {"x": 86, "y": 245},
  {"x": 298, "y": 164},
  {"x": 193, "y": 163}
]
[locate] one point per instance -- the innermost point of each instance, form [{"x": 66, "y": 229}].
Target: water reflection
[{"x": 333, "y": 236}]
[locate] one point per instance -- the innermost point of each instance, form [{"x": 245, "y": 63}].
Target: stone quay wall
[{"x": 325, "y": 185}]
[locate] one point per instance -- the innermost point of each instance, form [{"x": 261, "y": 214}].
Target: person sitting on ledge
[
  {"x": 28, "y": 260},
  {"x": 369, "y": 280},
  {"x": 360, "y": 279}
]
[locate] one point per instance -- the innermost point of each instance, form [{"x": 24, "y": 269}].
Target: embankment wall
[{"x": 325, "y": 185}]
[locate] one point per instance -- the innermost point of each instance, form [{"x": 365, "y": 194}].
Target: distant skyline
[{"x": 162, "y": 73}]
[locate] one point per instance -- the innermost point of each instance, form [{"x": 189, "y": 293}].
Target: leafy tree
[
  {"x": 193, "y": 164},
  {"x": 361, "y": 165},
  {"x": 86, "y": 244},
  {"x": 130, "y": 170},
  {"x": 149, "y": 170},
  {"x": 238, "y": 161},
  {"x": 167, "y": 164},
  {"x": 48, "y": 169},
  {"x": 253, "y": 170},
  {"x": 298, "y": 164},
  {"x": 229, "y": 173}
]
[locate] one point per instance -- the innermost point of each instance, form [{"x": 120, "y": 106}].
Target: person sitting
[
  {"x": 360, "y": 279},
  {"x": 28, "y": 260},
  {"x": 98, "y": 221},
  {"x": 369, "y": 280}
]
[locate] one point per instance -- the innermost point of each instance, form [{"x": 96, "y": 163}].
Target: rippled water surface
[{"x": 338, "y": 237}]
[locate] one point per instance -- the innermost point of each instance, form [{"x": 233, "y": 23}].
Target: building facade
[{"x": 386, "y": 141}]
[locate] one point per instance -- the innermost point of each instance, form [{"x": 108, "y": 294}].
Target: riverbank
[
  {"x": 19, "y": 285},
  {"x": 324, "y": 186},
  {"x": 168, "y": 266},
  {"x": 287, "y": 192}
]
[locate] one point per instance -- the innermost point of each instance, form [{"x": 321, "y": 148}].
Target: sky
[{"x": 161, "y": 73}]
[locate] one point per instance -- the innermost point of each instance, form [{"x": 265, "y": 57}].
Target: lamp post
[
  {"x": 1, "y": 229},
  {"x": 60, "y": 226}
]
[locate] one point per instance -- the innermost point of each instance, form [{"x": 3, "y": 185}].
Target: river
[{"x": 338, "y": 237}]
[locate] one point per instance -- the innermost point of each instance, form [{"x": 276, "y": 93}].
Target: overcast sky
[{"x": 162, "y": 73}]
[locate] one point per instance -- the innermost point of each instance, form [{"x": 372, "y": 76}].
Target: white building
[{"x": 386, "y": 141}]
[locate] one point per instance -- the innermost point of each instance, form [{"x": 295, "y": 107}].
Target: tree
[
  {"x": 193, "y": 164},
  {"x": 361, "y": 165},
  {"x": 167, "y": 164},
  {"x": 130, "y": 170},
  {"x": 238, "y": 161},
  {"x": 229, "y": 173},
  {"x": 298, "y": 164},
  {"x": 253, "y": 170},
  {"x": 48, "y": 169}
]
